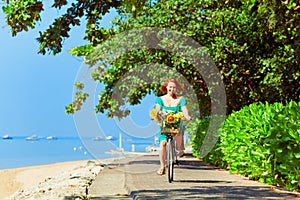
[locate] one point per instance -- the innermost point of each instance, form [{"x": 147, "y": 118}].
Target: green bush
[
  {"x": 197, "y": 130},
  {"x": 262, "y": 142},
  {"x": 284, "y": 146}
]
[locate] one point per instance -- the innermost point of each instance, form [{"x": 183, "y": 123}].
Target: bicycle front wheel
[{"x": 170, "y": 160}]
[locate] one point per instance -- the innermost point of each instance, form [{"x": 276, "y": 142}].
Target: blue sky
[{"x": 36, "y": 88}]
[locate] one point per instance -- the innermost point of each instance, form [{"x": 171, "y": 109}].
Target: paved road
[{"x": 136, "y": 178}]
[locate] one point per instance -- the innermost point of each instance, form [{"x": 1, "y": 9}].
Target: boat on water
[
  {"x": 6, "y": 137},
  {"x": 32, "y": 138},
  {"x": 50, "y": 137},
  {"x": 97, "y": 138},
  {"x": 109, "y": 137}
]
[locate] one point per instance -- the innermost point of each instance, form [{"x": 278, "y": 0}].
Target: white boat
[
  {"x": 6, "y": 137},
  {"x": 32, "y": 138},
  {"x": 50, "y": 137},
  {"x": 109, "y": 137}
]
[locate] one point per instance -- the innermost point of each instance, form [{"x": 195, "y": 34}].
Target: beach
[
  {"x": 51, "y": 181},
  {"x": 50, "y": 169}
]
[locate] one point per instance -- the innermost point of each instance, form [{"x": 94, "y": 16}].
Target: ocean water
[{"x": 19, "y": 152}]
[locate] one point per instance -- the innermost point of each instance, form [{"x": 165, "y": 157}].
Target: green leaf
[{"x": 297, "y": 155}]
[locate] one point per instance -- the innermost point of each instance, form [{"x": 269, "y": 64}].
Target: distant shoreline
[{"x": 19, "y": 152}]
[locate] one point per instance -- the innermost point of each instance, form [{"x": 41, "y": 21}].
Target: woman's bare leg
[
  {"x": 178, "y": 138},
  {"x": 179, "y": 143},
  {"x": 163, "y": 153}
]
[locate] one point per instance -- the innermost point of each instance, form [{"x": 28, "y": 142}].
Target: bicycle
[
  {"x": 171, "y": 156},
  {"x": 171, "y": 125}
]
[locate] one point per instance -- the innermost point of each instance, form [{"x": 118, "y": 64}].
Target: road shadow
[
  {"x": 201, "y": 181},
  {"x": 182, "y": 163},
  {"x": 212, "y": 192}
]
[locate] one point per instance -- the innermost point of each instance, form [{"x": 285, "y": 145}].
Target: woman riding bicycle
[{"x": 170, "y": 102}]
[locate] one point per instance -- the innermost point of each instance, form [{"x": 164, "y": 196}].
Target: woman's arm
[
  {"x": 184, "y": 109},
  {"x": 158, "y": 109},
  {"x": 185, "y": 113}
]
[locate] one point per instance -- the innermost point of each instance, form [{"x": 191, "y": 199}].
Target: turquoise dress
[{"x": 174, "y": 109}]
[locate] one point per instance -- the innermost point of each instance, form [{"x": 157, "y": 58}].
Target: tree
[
  {"x": 22, "y": 15},
  {"x": 254, "y": 43}
]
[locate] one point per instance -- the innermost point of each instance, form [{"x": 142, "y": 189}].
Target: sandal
[
  {"x": 161, "y": 171},
  {"x": 180, "y": 154}
]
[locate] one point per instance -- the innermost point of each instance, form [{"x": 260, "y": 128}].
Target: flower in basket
[
  {"x": 179, "y": 116},
  {"x": 172, "y": 122},
  {"x": 170, "y": 118}
]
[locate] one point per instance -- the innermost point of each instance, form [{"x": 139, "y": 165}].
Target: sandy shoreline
[{"x": 26, "y": 178}]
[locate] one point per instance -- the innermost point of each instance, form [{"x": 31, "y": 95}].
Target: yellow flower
[
  {"x": 179, "y": 115},
  {"x": 153, "y": 114},
  {"x": 170, "y": 118},
  {"x": 174, "y": 130}
]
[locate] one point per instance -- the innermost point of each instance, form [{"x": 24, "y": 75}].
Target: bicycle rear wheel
[{"x": 170, "y": 160}]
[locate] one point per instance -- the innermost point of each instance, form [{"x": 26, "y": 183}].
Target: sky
[{"x": 36, "y": 88}]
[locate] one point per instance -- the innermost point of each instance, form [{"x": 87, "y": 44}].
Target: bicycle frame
[{"x": 171, "y": 157}]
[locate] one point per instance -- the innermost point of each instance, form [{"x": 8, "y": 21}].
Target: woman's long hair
[{"x": 179, "y": 86}]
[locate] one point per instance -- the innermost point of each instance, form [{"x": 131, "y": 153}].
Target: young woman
[{"x": 174, "y": 103}]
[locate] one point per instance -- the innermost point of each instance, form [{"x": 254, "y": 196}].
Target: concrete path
[{"x": 135, "y": 178}]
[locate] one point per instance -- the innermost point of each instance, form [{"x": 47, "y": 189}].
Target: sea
[{"x": 20, "y": 151}]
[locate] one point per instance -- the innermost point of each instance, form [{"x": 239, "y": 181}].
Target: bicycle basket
[{"x": 171, "y": 129}]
